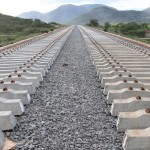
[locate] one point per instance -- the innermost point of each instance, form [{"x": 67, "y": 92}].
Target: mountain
[
  {"x": 32, "y": 15},
  {"x": 66, "y": 12},
  {"x": 71, "y": 14},
  {"x": 108, "y": 14},
  {"x": 147, "y": 9},
  {"x": 61, "y": 14}
]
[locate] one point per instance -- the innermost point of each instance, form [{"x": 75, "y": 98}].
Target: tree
[
  {"x": 37, "y": 23},
  {"x": 144, "y": 26},
  {"x": 94, "y": 23},
  {"x": 131, "y": 28},
  {"x": 107, "y": 25}
]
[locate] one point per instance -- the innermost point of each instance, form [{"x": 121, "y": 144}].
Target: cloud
[
  {"x": 130, "y": 4},
  {"x": 15, "y": 7}
]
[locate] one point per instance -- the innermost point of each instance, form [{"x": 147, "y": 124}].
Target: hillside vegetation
[
  {"x": 13, "y": 29},
  {"x": 131, "y": 30}
]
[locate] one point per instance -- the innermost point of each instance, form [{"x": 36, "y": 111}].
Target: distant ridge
[
  {"x": 107, "y": 14},
  {"x": 72, "y": 14},
  {"x": 65, "y": 13},
  {"x": 61, "y": 14},
  {"x": 32, "y": 15},
  {"x": 147, "y": 10}
]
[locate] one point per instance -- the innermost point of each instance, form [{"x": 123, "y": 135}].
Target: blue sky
[{"x": 15, "y": 7}]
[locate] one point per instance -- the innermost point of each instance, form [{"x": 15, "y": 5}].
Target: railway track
[
  {"x": 15, "y": 46},
  {"x": 22, "y": 67},
  {"x": 123, "y": 67}
]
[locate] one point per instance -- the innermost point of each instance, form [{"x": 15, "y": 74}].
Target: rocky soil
[{"x": 68, "y": 110}]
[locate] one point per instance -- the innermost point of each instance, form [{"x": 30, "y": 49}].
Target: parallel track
[
  {"x": 125, "y": 76},
  {"x": 22, "y": 67},
  {"x": 123, "y": 69}
]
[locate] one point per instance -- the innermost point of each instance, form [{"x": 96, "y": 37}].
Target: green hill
[{"x": 13, "y": 29}]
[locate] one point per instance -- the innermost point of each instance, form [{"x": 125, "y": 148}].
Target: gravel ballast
[{"x": 68, "y": 110}]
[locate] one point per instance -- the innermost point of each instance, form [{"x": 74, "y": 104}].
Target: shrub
[
  {"x": 44, "y": 31},
  {"x": 106, "y": 26},
  {"x": 93, "y": 23}
]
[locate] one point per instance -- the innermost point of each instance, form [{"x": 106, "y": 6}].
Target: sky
[{"x": 16, "y": 7}]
